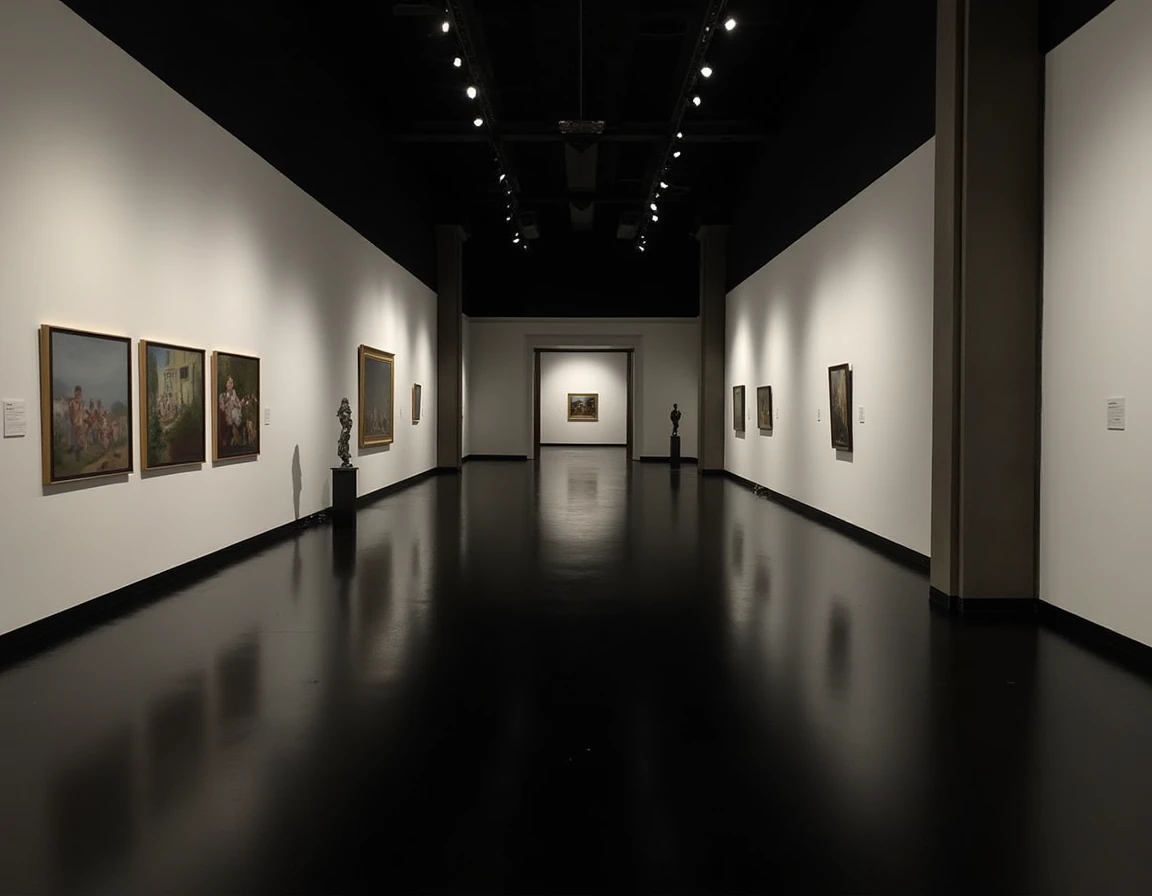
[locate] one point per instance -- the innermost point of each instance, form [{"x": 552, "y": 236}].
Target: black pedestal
[
  {"x": 343, "y": 497},
  {"x": 674, "y": 452}
]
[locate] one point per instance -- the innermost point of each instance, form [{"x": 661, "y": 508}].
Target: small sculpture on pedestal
[
  {"x": 675, "y": 417},
  {"x": 344, "y": 415}
]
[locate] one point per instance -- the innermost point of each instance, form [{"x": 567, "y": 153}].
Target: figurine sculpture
[
  {"x": 344, "y": 415},
  {"x": 675, "y": 417}
]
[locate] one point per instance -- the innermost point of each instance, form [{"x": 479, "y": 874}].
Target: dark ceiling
[{"x": 360, "y": 105}]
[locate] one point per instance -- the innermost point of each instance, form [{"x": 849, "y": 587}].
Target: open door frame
[{"x": 629, "y": 389}]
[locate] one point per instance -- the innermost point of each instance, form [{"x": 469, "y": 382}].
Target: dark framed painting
[
  {"x": 172, "y": 405},
  {"x": 416, "y": 390},
  {"x": 236, "y": 394},
  {"x": 85, "y": 404},
  {"x": 764, "y": 408},
  {"x": 840, "y": 406},
  {"x": 583, "y": 407},
  {"x": 377, "y": 396},
  {"x": 738, "y": 408}
]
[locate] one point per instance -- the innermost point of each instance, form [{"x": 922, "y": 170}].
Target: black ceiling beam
[{"x": 719, "y": 132}]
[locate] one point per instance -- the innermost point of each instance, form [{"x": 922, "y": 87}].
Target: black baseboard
[
  {"x": 583, "y": 445},
  {"x": 1095, "y": 637},
  {"x": 666, "y": 460},
  {"x": 43, "y": 634},
  {"x": 998, "y": 608},
  {"x": 520, "y": 457},
  {"x": 878, "y": 543},
  {"x": 373, "y": 497}
]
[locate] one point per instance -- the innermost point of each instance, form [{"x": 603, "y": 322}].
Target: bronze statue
[
  {"x": 344, "y": 415},
  {"x": 675, "y": 417}
]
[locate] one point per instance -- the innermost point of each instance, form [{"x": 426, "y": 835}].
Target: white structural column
[
  {"x": 985, "y": 458},
  {"x": 450, "y": 347},
  {"x": 713, "y": 345}
]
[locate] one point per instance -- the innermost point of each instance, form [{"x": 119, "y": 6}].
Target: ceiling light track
[
  {"x": 689, "y": 98},
  {"x": 467, "y": 60}
]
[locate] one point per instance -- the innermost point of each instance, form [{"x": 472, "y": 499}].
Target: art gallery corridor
[{"x": 573, "y": 675}]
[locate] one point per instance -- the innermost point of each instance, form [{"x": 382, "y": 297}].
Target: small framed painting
[
  {"x": 85, "y": 404},
  {"x": 840, "y": 406},
  {"x": 583, "y": 407},
  {"x": 171, "y": 406},
  {"x": 738, "y": 408},
  {"x": 236, "y": 391},
  {"x": 764, "y": 408},
  {"x": 416, "y": 390},
  {"x": 377, "y": 396}
]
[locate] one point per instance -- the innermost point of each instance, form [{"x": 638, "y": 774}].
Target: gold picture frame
[
  {"x": 84, "y": 440},
  {"x": 377, "y": 397},
  {"x": 173, "y": 406},
  {"x": 583, "y": 407},
  {"x": 235, "y": 406}
]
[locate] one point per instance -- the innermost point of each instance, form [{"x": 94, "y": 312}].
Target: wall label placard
[
  {"x": 15, "y": 418},
  {"x": 1117, "y": 414}
]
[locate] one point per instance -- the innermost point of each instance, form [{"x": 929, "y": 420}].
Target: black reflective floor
[{"x": 581, "y": 676}]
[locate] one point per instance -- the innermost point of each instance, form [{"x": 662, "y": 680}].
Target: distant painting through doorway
[{"x": 583, "y": 407}]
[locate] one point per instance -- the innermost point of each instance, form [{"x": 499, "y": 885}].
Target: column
[
  {"x": 989, "y": 194},
  {"x": 449, "y": 347},
  {"x": 713, "y": 310}
]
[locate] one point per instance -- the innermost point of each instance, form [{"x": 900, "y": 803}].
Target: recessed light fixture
[{"x": 730, "y": 25}]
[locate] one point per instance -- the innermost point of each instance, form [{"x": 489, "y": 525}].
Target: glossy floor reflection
[{"x": 572, "y": 676}]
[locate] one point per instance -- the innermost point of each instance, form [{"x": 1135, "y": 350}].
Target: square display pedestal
[
  {"x": 344, "y": 497},
  {"x": 674, "y": 452}
]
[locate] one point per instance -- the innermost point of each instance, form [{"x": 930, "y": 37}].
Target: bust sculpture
[
  {"x": 344, "y": 415},
  {"x": 675, "y": 417}
]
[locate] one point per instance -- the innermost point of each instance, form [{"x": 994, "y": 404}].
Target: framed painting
[
  {"x": 738, "y": 408},
  {"x": 236, "y": 392},
  {"x": 416, "y": 390},
  {"x": 171, "y": 406},
  {"x": 840, "y": 406},
  {"x": 764, "y": 408},
  {"x": 85, "y": 404},
  {"x": 583, "y": 407},
  {"x": 377, "y": 396}
]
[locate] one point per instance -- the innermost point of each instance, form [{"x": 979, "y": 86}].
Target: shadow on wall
[{"x": 297, "y": 481}]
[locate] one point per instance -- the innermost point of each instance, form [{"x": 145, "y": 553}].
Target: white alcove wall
[
  {"x": 855, "y": 289},
  {"x": 604, "y": 373},
  {"x": 1095, "y": 512},
  {"x": 125, "y": 210},
  {"x": 499, "y": 377}
]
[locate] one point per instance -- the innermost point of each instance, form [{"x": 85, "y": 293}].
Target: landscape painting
[
  {"x": 85, "y": 404},
  {"x": 738, "y": 408},
  {"x": 840, "y": 406},
  {"x": 171, "y": 406},
  {"x": 764, "y": 408},
  {"x": 236, "y": 392},
  {"x": 583, "y": 407},
  {"x": 377, "y": 397},
  {"x": 416, "y": 390}
]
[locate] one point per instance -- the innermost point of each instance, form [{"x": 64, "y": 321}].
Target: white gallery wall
[
  {"x": 855, "y": 289},
  {"x": 1095, "y": 483},
  {"x": 499, "y": 386},
  {"x": 604, "y": 373},
  {"x": 127, "y": 211}
]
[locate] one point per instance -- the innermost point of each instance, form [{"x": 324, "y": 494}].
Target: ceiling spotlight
[
  {"x": 730, "y": 25},
  {"x": 663, "y": 185},
  {"x": 676, "y": 154},
  {"x": 458, "y": 62},
  {"x": 706, "y": 71},
  {"x": 446, "y": 26},
  {"x": 478, "y": 122},
  {"x": 516, "y": 241},
  {"x": 653, "y": 207},
  {"x": 696, "y": 101},
  {"x": 509, "y": 218},
  {"x": 471, "y": 93},
  {"x": 641, "y": 247},
  {"x": 655, "y": 219},
  {"x": 503, "y": 177},
  {"x": 679, "y": 135}
]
